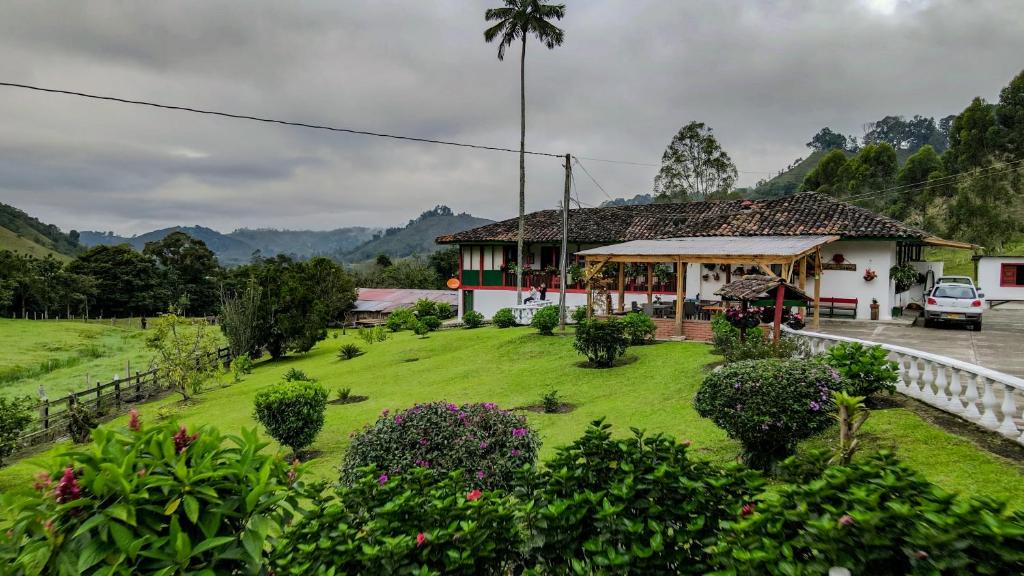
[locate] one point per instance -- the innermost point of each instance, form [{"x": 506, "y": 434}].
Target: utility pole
[{"x": 564, "y": 263}]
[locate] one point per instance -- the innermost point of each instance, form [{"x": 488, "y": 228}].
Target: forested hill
[
  {"x": 22, "y": 233},
  {"x": 416, "y": 237}
]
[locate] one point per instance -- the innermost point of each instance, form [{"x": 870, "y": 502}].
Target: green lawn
[
  {"x": 514, "y": 367},
  {"x": 60, "y": 354}
]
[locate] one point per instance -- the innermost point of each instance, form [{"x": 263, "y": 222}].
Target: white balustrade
[{"x": 975, "y": 393}]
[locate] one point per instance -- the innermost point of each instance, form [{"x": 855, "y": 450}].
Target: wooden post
[
  {"x": 680, "y": 295},
  {"x": 138, "y": 386},
  {"x": 590, "y": 292},
  {"x": 44, "y": 413},
  {"x": 117, "y": 394},
  {"x": 817, "y": 289},
  {"x": 802, "y": 275},
  {"x": 650, "y": 283},
  {"x": 728, "y": 276},
  {"x": 622, "y": 287},
  {"x": 779, "y": 295}
]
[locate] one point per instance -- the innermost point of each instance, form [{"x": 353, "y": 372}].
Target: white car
[
  {"x": 955, "y": 280},
  {"x": 955, "y": 304}
]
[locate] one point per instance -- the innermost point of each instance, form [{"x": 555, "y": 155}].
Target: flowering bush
[
  {"x": 769, "y": 405},
  {"x": 602, "y": 342},
  {"x": 867, "y": 369},
  {"x": 504, "y": 318},
  {"x": 473, "y": 319},
  {"x": 639, "y": 328},
  {"x": 292, "y": 412},
  {"x": 154, "y": 500},
  {"x": 409, "y": 523},
  {"x": 726, "y": 341},
  {"x": 631, "y": 506},
  {"x": 877, "y": 517},
  {"x": 545, "y": 320},
  {"x": 740, "y": 318},
  {"x": 489, "y": 444}
]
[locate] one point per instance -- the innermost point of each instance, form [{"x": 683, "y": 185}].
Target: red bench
[{"x": 833, "y": 307}]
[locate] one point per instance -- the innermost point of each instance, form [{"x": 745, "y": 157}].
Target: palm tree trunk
[{"x": 522, "y": 174}]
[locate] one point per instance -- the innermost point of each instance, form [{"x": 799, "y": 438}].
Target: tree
[
  {"x": 445, "y": 263},
  {"x": 1010, "y": 117},
  {"x": 190, "y": 271},
  {"x": 245, "y": 320},
  {"x": 826, "y": 139},
  {"x": 987, "y": 207},
  {"x": 334, "y": 287},
  {"x": 183, "y": 348},
  {"x": 515, "y": 21},
  {"x": 694, "y": 166},
  {"x": 972, "y": 137},
  {"x": 384, "y": 261},
  {"x": 127, "y": 283},
  {"x": 873, "y": 169},
  {"x": 825, "y": 174},
  {"x": 923, "y": 166}
]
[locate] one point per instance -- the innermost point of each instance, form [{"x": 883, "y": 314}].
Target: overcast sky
[{"x": 764, "y": 75}]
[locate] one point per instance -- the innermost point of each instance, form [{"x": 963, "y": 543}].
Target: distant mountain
[
  {"x": 635, "y": 200},
  {"x": 228, "y": 250},
  {"x": 305, "y": 243},
  {"x": 416, "y": 237},
  {"x": 20, "y": 232}
]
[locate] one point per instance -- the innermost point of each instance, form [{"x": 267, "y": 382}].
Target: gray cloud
[{"x": 764, "y": 75}]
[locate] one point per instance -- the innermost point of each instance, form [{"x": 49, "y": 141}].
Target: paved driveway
[{"x": 999, "y": 346}]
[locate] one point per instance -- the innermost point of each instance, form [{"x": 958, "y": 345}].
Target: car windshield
[
  {"x": 953, "y": 292},
  {"x": 954, "y": 280}
]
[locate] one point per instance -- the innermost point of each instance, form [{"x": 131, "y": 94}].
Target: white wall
[
  {"x": 916, "y": 292},
  {"x": 989, "y": 277},
  {"x": 878, "y": 255},
  {"x": 487, "y": 302}
]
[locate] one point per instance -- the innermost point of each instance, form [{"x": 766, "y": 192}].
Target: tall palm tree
[{"x": 515, "y": 21}]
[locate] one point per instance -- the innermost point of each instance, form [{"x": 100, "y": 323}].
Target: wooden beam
[
  {"x": 817, "y": 289},
  {"x": 622, "y": 287},
  {"x": 650, "y": 283},
  {"x": 802, "y": 275},
  {"x": 680, "y": 295},
  {"x": 767, "y": 270},
  {"x": 592, "y": 271}
]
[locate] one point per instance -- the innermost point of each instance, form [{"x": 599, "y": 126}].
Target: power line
[
  {"x": 940, "y": 181},
  {"x": 269, "y": 120},
  {"x": 592, "y": 179},
  {"x": 648, "y": 164}
]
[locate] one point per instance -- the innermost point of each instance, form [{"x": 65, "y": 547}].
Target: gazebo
[
  {"x": 765, "y": 291},
  {"x": 789, "y": 255}
]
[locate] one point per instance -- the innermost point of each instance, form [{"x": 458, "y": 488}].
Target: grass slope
[
  {"x": 10, "y": 240},
  {"x": 514, "y": 367}
]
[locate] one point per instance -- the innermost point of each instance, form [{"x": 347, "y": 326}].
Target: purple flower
[
  {"x": 385, "y": 412},
  {"x": 480, "y": 474},
  {"x": 490, "y": 405},
  {"x": 483, "y": 445},
  {"x": 519, "y": 432},
  {"x": 383, "y": 479},
  {"x": 424, "y": 442},
  {"x": 423, "y": 463},
  {"x": 515, "y": 452},
  {"x": 815, "y": 406},
  {"x": 453, "y": 408},
  {"x": 398, "y": 419}
]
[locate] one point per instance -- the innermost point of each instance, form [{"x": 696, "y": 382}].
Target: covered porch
[{"x": 789, "y": 258}]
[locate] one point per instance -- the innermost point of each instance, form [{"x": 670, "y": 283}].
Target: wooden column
[
  {"x": 590, "y": 290},
  {"x": 650, "y": 283},
  {"x": 802, "y": 275},
  {"x": 779, "y": 295},
  {"x": 622, "y": 287},
  {"x": 680, "y": 295},
  {"x": 817, "y": 289}
]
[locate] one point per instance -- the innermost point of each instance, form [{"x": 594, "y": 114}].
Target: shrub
[
  {"x": 343, "y": 393},
  {"x": 349, "y": 351},
  {"x": 551, "y": 402},
  {"x": 431, "y": 322},
  {"x": 726, "y": 341},
  {"x": 240, "y": 366},
  {"x": 867, "y": 369},
  {"x": 545, "y": 320},
  {"x": 420, "y": 329},
  {"x": 504, "y": 318},
  {"x": 639, "y": 328},
  {"x": 579, "y": 314},
  {"x": 490, "y": 444},
  {"x": 769, "y": 405},
  {"x": 602, "y": 342},
  {"x": 638, "y": 505},
  {"x": 292, "y": 412},
  {"x": 444, "y": 311},
  {"x": 81, "y": 422},
  {"x": 156, "y": 500},
  {"x": 296, "y": 375},
  {"x": 373, "y": 334},
  {"x": 181, "y": 346},
  {"x": 472, "y": 319},
  {"x": 401, "y": 319},
  {"x": 15, "y": 417},
  {"x": 409, "y": 523},
  {"x": 876, "y": 517},
  {"x": 425, "y": 307}
]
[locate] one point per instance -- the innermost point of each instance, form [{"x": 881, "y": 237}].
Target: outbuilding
[{"x": 1000, "y": 278}]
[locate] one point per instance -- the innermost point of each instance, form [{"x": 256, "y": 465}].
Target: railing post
[
  {"x": 913, "y": 387},
  {"x": 988, "y": 418},
  {"x": 44, "y": 413},
  {"x": 1009, "y": 410},
  {"x": 117, "y": 395},
  {"x": 955, "y": 403},
  {"x": 971, "y": 397},
  {"x": 927, "y": 393},
  {"x": 138, "y": 386},
  {"x": 941, "y": 386}
]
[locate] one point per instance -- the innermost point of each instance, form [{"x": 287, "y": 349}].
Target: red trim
[
  {"x": 568, "y": 290},
  {"x": 461, "y": 252},
  {"x": 1011, "y": 268}
]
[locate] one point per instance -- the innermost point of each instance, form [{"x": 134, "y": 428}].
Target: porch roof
[
  {"x": 713, "y": 249},
  {"x": 759, "y": 287}
]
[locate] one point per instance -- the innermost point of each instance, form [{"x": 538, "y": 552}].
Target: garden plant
[
  {"x": 601, "y": 341},
  {"x": 472, "y": 319},
  {"x": 292, "y": 412},
  {"x": 15, "y": 417},
  {"x": 349, "y": 351},
  {"x": 545, "y": 320},
  {"x": 867, "y": 369},
  {"x": 504, "y": 318},
  {"x": 639, "y": 328}
]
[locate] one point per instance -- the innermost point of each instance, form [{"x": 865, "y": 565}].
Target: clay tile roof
[
  {"x": 757, "y": 287},
  {"x": 808, "y": 213}
]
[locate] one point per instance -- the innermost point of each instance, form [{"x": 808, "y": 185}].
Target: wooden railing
[
  {"x": 985, "y": 397},
  {"x": 105, "y": 399}
]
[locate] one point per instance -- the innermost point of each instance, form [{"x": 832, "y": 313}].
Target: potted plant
[
  {"x": 874, "y": 309},
  {"x": 870, "y": 275},
  {"x": 574, "y": 273},
  {"x": 663, "y": 273}
]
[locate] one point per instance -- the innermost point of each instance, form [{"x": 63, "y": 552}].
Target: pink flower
[
  {"x": 748, "y": 509},
  {"x": 43, "y": 482},
  {"x": 474, "y": 495},
  {"x": 182, "y": 440},
  {"x": 385, "y": 412},
  {"x": 293, "y": 472},
  {"x": 483, "y": 445},
  {"x": 480, "y": 474},
  {"x": 846, "y": 520},
  {"x": 398, "y": 419},
  {"x": 133, "y": 420},
  {"x": 519, "y": 432},
  {"x": 383, "y": 479},
  {"x": 420, "y": 539},
  {"x": 424, "y": 442},
  {"x": 515, "y": 452},
  {"x": 68, "y": 488}
]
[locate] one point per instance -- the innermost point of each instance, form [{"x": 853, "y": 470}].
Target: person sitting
[
  {"x": 532, "y": 297},
  {"x": 543, "y": 291}
]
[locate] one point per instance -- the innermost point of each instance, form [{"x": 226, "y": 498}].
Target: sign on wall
[{"x": 839, "y": 266}]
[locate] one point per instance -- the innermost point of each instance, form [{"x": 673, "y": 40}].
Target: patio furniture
[{"x": 833, "y": 307}]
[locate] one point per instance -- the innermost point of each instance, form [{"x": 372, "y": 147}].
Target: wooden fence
[{"x": 106, "y": 400}]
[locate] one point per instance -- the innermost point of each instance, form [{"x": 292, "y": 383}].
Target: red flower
[
  {"x": 133, "y": 420},
  {"x": 182, "y": 440},
  {"x": 68, "y": 488},
  {"x": 420, "y": 539},
  {"x": 846, "y": 520},
  {"x": 748, "y": 509},
  {"x": 474, "y": 495}
]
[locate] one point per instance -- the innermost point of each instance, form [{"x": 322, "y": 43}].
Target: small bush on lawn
[
  {"x": 425, "y": 307},
  {"x": 296, "y": 375},
  {"x": 579, "y": 314},
  {"x": 409, "y": 523},
  {"x": 292, "y": 412},
  {"x": 242, "y": 364},
  {"x": 639, "y": 328},
  {"x": 444, "y": 311},
  {"x": 490, "y": 444},
  {"x": 349, "y": 351},
  {"x": 431, "y": 322},
  {"x": 373, "y": 334},
  {"x": 473, "y": 319},
  {"x": 602, "y": 342},
  {"x": 639, "y": 505},
  {"x": 867, "y": 369},
  {"x": 153, "y": 500},
  {"x": 343, "y": 393},
  {"x": 420, "y": 329},
  {"x": 769, "y": 405},
  {"x": 504, "y": 318},
  {"x": 81, "y": 421},
  {"x": 545, "y": 320},
  {"x": 551, "y": 402},
  {"x": 15, "y": 417},
  {"x": 401, "y": 319},
  {"x": 756, "y": 346},
  {"x": 878, "y": 518}
]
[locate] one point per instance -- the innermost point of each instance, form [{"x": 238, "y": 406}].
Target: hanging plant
[
  {"x": 838, "y": 258},
  {"x": 870, "y": 275},
  {"x": 717, "y": 276},
  {"x": 706, "y": 276},
  {"x": 709, "y": 266},
  {"x": 743, "y": 319},
  {"x": 723, "y": 267},
  {"x": 663, "y": 273},
  {"x": 738, "y": 271}
]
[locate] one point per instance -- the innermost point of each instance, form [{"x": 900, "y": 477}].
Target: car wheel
[
  {"x": 977, "y": 326},
  {"x": 928, "y": 323}
]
